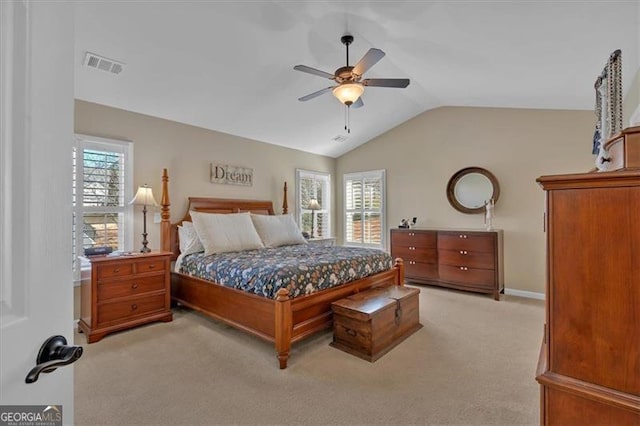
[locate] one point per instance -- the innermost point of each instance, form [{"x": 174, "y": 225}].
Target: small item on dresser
[{"x": 406, "y": 224}]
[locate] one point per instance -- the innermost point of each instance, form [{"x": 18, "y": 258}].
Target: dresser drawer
[
  {"x": 484, "y": 278},
  {"x": 413, "y": 269},
  {"x": 126, "y": 309},
  {"x": 131, "y": 287},
  {"x": 471, "y": 259},
  {"x": 110, "y": 270},
  {"x": 466, "y": 241},
  {"x": 413, "y": 239},
  {"x": 420, "y": 254}
]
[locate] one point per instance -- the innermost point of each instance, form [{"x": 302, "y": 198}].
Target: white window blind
[
  {"x": 313, "y": 185},
  {"x": 101, "y": 190},
  {"x": 364, "y": 201}
]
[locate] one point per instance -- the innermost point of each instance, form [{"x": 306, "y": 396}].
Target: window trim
[
  {"x": 83, "y": 141},
  {"x": 381, "y": 174},
  {"x": 326, "y": 206}
]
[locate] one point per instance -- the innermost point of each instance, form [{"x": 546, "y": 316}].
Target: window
[
  {"x": 102, "y": 188},
  {"x": 316, "y": 186},
  {"x": 364, "y": 198}
]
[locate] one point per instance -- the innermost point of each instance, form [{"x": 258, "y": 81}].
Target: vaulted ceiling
[{"x": 228, "y": 66}]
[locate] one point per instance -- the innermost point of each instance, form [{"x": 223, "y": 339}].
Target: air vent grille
[
  {"x": 99, "y": 62},
  {"x": 339, "y": 138}
]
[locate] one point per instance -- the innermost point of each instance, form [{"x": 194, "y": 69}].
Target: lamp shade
[
  {"x": 313, "y": 205},
  {"x": 348, "y": 93},
  {"x": 144, "y": 197}
]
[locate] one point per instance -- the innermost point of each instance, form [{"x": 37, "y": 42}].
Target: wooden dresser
[
  {"x": 462, "y": 259},
  {"x": 124, "y": 291},
  {"x": 589, "y": 367}
]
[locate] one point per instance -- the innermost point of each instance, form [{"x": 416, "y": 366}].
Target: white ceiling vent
[
  {"x": 92, "y": 60},
  {"x": 339, "y": 138}
]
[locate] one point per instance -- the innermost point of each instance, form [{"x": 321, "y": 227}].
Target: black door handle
[{"x": 54, "y": 353}]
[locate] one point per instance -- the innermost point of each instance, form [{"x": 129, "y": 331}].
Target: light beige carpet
[{"x": 473, "y": 363}]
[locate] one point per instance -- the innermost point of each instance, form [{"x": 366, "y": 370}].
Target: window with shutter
[
  {"x": 364, "y": 201},
  {"x": 313, "y": 186},
  {"x": 102, "y": 187}
]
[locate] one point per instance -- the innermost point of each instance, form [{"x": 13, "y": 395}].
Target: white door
[{"x": 36, "y": 135}]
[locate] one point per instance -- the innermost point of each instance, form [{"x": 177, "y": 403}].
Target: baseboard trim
[{"x": 522, "y": 293}]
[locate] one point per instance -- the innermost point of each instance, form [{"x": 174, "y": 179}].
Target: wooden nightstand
[
  {"x": 328, "y": 241},
  {"x": 120, "y": 292}
]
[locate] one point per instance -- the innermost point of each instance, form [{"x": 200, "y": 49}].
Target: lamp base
[{"x": 145, "y": 249}]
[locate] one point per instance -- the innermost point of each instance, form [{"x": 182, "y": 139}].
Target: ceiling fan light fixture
[{"x": 348, "y": 93}]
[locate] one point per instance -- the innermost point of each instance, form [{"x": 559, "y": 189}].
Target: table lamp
[
  {"x": 144, "y": 198},
  {"x": 313, "y": 206}
]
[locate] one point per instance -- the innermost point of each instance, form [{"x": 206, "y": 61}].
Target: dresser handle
[
  {"x": 411, "y": 262},
  {"x": 134, "y": 307},
  {"x": 462, "y": 236},
  {"x": 463, "y": 252},
  {"x": 463, "y": 268},
  {"x": 412, "y": 248},
  {"x": 411, "y": 234},
  {"x": 134, "y": 286}
]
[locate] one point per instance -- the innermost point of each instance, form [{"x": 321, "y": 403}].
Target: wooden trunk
[{"x": 371, "y": 323}]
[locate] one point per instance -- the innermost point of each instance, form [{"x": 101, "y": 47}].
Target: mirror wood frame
[{"x": 451, "y": 186}]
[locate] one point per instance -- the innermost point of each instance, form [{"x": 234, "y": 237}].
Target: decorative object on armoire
[
  {"x": 488, "y": 215},
  {"x": 313, "y": 206},
  {"x": 608, "y": 108},
  {"x": 589, "y": 365},
  {"x": 469, "y": 189},
  {"x": 464, "y": 260},
  {"x": 623, "y": 150},
  {"x": 144, "y": 198}
]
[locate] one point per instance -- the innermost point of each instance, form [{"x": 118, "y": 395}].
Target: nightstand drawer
[
  {"x": 122, "y": 311},
  {"x": 149, "y": 266},
  {"x": 130, "y": 287},
  {"x": 119, "y": 269}
]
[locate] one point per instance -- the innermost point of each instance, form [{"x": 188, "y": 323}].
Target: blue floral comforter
[{"x": 301, "y": 268}]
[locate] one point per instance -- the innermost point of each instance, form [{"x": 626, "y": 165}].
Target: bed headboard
[{"x": 169, "y": 231}]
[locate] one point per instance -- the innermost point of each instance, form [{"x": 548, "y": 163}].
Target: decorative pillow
[
  {"x": 221, "y": 233},
  {"x": 278, "y": 230},
  {"x": 188, "y": 238}
]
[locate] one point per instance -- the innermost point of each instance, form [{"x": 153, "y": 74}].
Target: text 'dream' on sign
[{"x": 231, "y": 175}]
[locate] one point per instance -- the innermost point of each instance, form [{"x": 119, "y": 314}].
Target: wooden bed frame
[{"x": 283, "y": 320}]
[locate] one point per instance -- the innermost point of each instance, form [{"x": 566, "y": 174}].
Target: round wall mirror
[{"x": 470, "y": 188}]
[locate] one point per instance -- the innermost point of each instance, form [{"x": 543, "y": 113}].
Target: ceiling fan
[{"x": 350, "y": 85}]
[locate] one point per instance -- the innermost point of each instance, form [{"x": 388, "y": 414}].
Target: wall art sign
[{"x": 231, "y": 175}]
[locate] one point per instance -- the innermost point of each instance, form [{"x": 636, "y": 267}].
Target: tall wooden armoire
[{"x": 589, "y": 368}]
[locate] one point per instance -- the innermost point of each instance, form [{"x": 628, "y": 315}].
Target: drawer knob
[
  {"x": 134, "y": 286},
  {"x": 412, "y": 234},
  {"x": 463, "y": 268},
  {"x": 412, "y": 248},
  {"x": 462, "y": 236},
  {"x": 350, "y": 332},
  {"x": 134, "y": 307},
  {"x": 463, "y": 252},
  {"x": 411, "y": 262},
  {"x": 152, "y": 266},
  {"x": 116, "y": 270}
]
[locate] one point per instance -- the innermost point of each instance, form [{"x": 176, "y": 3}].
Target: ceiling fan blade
[
  {"x": 386, "y": 82},
  {"x": 368, "y": 60},
  {"x": 313, "y": 71},
  {"x": 358, "y": 103},
  {"x": 315, "y": 94}
]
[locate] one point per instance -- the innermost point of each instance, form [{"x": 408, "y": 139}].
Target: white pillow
[
  {"x": 221, "y": 233},
  {"x": 278, "y": 230},
  {"x": 189, "y": 240}
]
